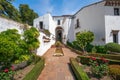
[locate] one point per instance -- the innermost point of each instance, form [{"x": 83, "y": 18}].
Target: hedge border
[
  {"x": 78, "y": 71},
  {"x": 74, "y": 50},
  {"x": 35, "y": 72},
  {"x": 85, "y": 60},
  {"x": 108, "y": 56}
]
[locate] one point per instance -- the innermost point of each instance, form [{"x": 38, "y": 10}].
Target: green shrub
[
  {"x": 36, "y": 58},
  {"x": 85, "y": 60},
  {"x": 89, "y": 47},
  {"x": 69, "y": 44},
  {"x": 114, "y": 72},
  {"x": 113, "y": 47},
  {"x": 101, "y": 49},
  {"x": 78, "y": 71},
  {"x": 35, "y": 72},
  {"x": 108, "y": 56},
  {"x": 94, "y": 50},
  {"x": 76, "y": 46}
]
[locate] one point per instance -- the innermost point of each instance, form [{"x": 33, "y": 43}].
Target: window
[
  {"x": 41, "y": 25},
  {"x": 58, "y": 22},
  {"x": 116, "y": 11},
  {"x": 115, "y": 38},
  {"x": 77, "y": 23}
]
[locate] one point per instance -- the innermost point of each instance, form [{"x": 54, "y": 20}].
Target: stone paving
[{"x": 57, "y": 68}]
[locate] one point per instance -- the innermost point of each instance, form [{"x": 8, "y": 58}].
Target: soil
[
  {"x": 91, "y": 76},
  {"x": 20, "y": 74}
]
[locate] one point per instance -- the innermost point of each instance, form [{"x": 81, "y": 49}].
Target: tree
[
  {"x": 8, "y": 10},
  {"x": 16, "y": 48},
  {"x": 30, "y": 37},
  {"x": 84, "y": 38},
  {"x": 27, "y": 14},
  {"x": 9, "y": 45}
]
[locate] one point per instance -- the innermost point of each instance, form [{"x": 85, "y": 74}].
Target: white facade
[
  {"x": 97, "y": 17},
  {"x": 51, "y": 23}
]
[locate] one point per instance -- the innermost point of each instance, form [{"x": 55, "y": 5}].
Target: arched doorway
[{"x": 59, "y": 34}]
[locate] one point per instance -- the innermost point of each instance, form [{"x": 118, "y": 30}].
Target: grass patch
[
  {"x": 35, "y": 72},
  {"x": 78, "y": 71}
]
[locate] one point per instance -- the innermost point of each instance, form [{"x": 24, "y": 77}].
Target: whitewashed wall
[
  {"x": 10, "y": 24},
  {"x": 66, "y": 27},
  {"x": 92, "y": 19},
  {"x": 52, "y": 25},
  {"x": 71, "y": 31},
  {"x": 48, "y": 24},
  {"x": 44, "y": 46},
  {"x": 45, "y": 20},
  {"x": 112, "y": 23},
  {"x": 56, "y": 20}
]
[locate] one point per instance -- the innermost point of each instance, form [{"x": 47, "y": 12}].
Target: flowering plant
[
  {"x": 7, "y": 73},
  {"x": 99, "y": 68}
]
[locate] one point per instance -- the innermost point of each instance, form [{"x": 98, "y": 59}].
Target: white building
[{"x": 102, "y": 18}]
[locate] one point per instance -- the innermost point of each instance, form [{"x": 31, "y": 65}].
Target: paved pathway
[{"x": 57, "y": 68}]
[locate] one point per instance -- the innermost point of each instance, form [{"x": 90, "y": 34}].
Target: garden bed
[
  {"x": 20, "y": 74},
  {"x": 58, "y": 52},
  {"x": 91, "y": 76},
  {"x": 32, "y": 71},
  {"x": 100, "y": 68}
]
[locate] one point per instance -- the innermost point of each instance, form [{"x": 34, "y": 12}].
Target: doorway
[{"x": 59, "y": 34}]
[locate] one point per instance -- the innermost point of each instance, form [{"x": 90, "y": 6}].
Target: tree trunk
[{"x": 85, "y": 53}]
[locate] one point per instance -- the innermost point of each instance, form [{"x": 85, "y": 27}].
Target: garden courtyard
[{"x": 77, "y": 60}]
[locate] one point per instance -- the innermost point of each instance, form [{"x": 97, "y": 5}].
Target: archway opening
[{"x": 59, "y": 34}]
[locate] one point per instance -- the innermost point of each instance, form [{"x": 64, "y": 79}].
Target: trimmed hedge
[
  {"x": 35, "y": 72},
  {"x": 108, "y": 56},
  {"x": 113, "y": 47},
  {"x": 85, "y": 60},
  {"x": 78, "y": 71}
]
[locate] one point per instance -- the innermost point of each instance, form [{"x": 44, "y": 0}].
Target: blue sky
[{"x": 55, "y": 7}]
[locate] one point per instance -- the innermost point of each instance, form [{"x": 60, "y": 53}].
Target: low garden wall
[{"x": 77, "y": 70}]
